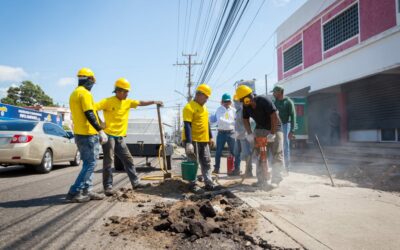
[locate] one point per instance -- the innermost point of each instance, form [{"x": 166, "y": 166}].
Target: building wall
[{"x": 375, "y": 17}]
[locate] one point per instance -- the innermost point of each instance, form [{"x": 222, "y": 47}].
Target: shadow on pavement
[
  {"x": 20, "y": 170},
  {"x": 36, "y": 202}
]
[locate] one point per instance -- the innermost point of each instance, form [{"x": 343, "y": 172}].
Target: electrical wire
[
  {"x": 241, "y": 41},
  {"x": 197, "y": 24}
]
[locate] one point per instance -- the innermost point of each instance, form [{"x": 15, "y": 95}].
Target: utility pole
[
  {"x": 266, "y": 84},
  {"x": 178, "y": 136},
  {"x": 189, "y": 64}
]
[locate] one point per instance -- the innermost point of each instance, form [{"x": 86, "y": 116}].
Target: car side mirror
[{"x": 69, "y": 136}]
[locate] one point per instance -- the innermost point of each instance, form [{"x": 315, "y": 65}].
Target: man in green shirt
[{"x": 287, "y": 113}]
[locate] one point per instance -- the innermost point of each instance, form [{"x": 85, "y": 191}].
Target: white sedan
[{"x": 36, "y": 143}]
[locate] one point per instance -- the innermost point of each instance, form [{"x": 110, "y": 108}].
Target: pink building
[{"x": 344, "y": 57}]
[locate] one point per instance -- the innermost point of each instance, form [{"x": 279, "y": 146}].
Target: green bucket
[{"x": 189, "y": 170}]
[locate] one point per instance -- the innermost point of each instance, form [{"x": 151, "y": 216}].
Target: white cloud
[
  {"x": 3, "y": 92},
  {"x": 11, "y": 74},
  {"x": 66, "y": 81},
  {"x": 281, "y": 3}
]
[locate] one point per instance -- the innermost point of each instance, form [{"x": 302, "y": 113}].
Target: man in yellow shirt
[
  {"x": 197, "y": 135},
  {"x": 116, "y": 113},
  {"x": 87, "y": 130}
]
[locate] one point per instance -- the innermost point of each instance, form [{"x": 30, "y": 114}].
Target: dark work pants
[{"x": 118, "y": 146}]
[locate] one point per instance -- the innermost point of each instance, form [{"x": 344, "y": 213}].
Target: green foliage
[
  {"x": 66, "y": 127},
  {"x": 27, "y": 94}
]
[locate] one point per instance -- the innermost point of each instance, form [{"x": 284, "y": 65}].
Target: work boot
[
  {"x": 213, "y": 187},
  {"x": 259, "y": 184},
  {"x": 274, "y": 185},
  {"x": 77, "y": 198},
  {"x": 196, "y": 189},
  {"x": 93, "y": 196},
  {"x": 215, "y": 171},
  {"x": 141, "y": 185},
  {"x": 109, "y": 191}
]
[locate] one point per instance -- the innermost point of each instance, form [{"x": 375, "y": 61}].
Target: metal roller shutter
[{"x": 374, "y": 103}]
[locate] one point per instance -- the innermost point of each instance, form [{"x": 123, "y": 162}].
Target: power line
[
  {"x": 177, "y": 40},
  {"x": 188, "y": 26},
  {"x": 224, "y": 46},
  {"x": 203, "y": 37},
  {"x": 184, "y": 26},
  {"x": 197, "y": 23},
  {"x": 213, "y": 39},
  {"x": 241, "y": 41},
  {"x": 248, "y": 61},
  {"x": 222, "y": 36}
]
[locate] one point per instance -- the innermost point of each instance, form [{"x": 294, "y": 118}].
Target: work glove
[
  {"x": 250, "y": 138},
  {"x": 103, "y": 137},
  {"x": 159, "y": 103},
  {"x": 211, "y": 143},
  {"x": 270, "y": 137},
  {"x": 189, "y": 149}
]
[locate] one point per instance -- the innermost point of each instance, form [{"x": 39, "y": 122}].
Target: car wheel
[
  {"x": 77, "y": 159},
  {"x": 118, "y": 165},
  {"x": 47, "y": 162}
]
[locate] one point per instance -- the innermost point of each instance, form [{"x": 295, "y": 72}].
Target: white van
[{"x": 143, "y": 140}]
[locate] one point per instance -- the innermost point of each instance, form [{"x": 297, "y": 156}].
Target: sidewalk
[{"x": 318, "y": 216}]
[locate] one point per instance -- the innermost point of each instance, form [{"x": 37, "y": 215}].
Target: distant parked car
[{"x": 36, "y": 143}]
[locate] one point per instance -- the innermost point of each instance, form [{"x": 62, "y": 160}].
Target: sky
[{"x": 48, "y": 41}]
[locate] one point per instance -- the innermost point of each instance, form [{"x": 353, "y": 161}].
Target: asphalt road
[{"x": 33, "y": 213}]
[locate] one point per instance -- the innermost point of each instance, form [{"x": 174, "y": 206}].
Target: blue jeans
[
  {"x": 222, "y": 138},
  {"x": 286, "y": 144},
  {"x": 88, "y": 146},
  {"x": 242, "y": 151}
]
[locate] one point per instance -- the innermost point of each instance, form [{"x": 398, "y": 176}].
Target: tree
[{"x": 27, "y": 94}]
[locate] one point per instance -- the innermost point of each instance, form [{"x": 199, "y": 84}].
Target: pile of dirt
[
  {"x": 168, "y": 188},
  {"x": 198, "y": 222},
  {"x": 129, "y": 195},
  {"x": 171, "y": 186}
]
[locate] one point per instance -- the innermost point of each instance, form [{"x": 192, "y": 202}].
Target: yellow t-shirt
[
  {"x": 116, "y": 114},
  {"x": 81, "y": 100},
  {"x": 198, "y": 116}
]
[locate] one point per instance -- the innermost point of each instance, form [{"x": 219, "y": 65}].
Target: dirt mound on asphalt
[
  {"x": 213, "y": 220},
  {"x": 167, "y": 188},
  {"x": 129, "y": 195}
]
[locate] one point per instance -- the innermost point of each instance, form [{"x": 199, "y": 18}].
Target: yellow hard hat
[
  {"x": 85, "y": 72},
  {"x": 122, "y": 83},
  {"x": 243, "y": 91},
  {"x": 205, "y": 89},
  {"x": 235, "y": 98}
]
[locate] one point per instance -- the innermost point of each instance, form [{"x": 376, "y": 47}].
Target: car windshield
[{"x": 17, "y": 125}]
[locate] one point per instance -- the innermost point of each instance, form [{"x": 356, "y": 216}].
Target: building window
[
  {"x": 398, "y": 6},
  {"x": 341, "y": 28},
  {"x": 293, "y": 57},
  {"x": 388, "y": 135}
]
